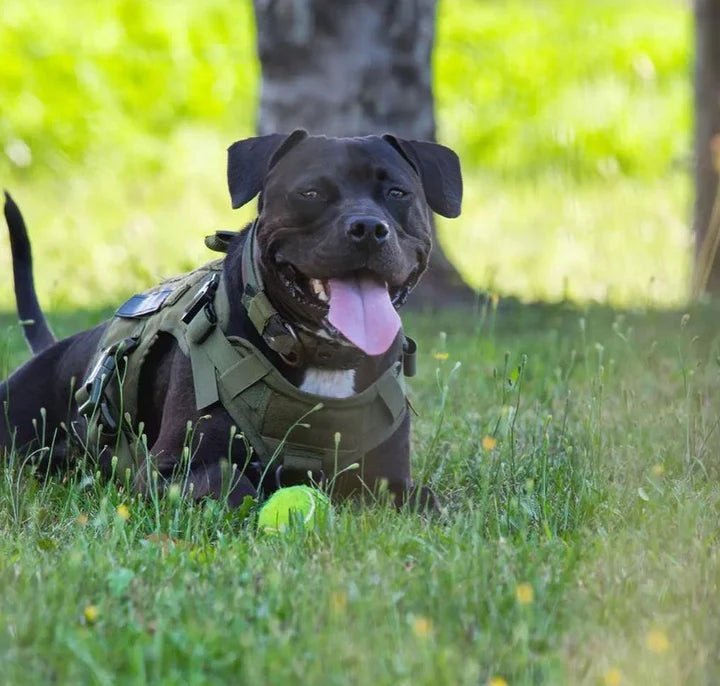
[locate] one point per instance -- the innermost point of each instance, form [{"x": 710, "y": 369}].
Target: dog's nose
[{"x": 368, "y": 231}]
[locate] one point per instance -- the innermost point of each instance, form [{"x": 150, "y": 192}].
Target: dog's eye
[
  {"x": 310, "y": 194},
  {"x": 397, "y": 193}
]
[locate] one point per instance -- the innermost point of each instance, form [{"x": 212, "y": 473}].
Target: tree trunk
[
  {"x": 707, "y": 123},
  {"x": 353, "y": 68}
]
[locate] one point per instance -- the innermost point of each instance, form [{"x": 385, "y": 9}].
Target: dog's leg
[
  {"x": 220, "y": 481},
  {"x": 387, "y": 468},
  {"x": 198, "y": 461},
  {"x": 195, "y": 448}
]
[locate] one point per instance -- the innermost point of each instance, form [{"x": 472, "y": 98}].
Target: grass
[
  {"x": 574, "y": 448},
  {"x": 575, "y": 453},
  {"x": 622, "y": 241}
]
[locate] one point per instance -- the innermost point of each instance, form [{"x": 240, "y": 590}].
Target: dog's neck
[{"x": 327, "y": 382}]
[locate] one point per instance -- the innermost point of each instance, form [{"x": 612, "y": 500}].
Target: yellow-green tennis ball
[{"x": 300, "y": 505}]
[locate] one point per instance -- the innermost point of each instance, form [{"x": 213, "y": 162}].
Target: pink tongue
[{"x": 360, "y": 309}]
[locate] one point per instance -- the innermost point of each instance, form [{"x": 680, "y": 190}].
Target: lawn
[
  {"x": 574, "y": 444},
  {"x": 576, "y": 456}
]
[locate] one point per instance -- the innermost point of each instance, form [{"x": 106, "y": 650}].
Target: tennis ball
[{"x": 298, "y": 504}]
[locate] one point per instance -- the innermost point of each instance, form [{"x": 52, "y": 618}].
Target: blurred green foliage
[
  {"x": 586, "y": 88},
  {"x": 83, "y": 76},
  {"x": 572, "y": 119}
]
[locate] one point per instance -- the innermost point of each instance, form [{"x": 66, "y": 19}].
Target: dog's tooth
[
  {"x": 317, "y": 287},
  {"x": 323, "y": 296}
]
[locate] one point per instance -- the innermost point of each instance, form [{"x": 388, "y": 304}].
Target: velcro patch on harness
[{"x": 143, "y": 304}]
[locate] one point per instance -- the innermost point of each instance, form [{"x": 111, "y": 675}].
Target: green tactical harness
[{"x": 285, "y": 426}]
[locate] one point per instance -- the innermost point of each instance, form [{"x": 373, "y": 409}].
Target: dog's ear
[
  {"x": 439, "y": 170},
  {"x": 250, "y": 159}
]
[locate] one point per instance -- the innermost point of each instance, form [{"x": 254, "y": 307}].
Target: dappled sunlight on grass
[
  {"x": 106, "y": 233},
  {"x": 96, "y": 241},
  {"x": 624, "y": 242},
  {"x": 572, "y": 121}
]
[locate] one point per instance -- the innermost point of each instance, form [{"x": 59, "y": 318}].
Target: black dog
[{"x": 343, "y": 234}]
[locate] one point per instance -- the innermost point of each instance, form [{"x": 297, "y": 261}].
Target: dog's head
[{"x": 344, "y": 226}]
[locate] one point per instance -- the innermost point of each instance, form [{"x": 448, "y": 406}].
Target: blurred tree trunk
[
  {"x": 707, "y": 122},
  {"x": 353, "y": 68}
]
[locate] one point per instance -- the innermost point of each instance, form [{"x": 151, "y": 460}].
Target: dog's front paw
[{"x": 421, "y": 499}]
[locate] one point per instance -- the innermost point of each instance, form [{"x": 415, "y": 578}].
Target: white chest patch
[{"x": 330, "y": 384}]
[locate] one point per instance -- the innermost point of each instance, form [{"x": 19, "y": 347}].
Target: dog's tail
[{"x": 35, "y": 326}]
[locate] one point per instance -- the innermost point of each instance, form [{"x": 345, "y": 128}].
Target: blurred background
[{"x": 572, "y": 119}]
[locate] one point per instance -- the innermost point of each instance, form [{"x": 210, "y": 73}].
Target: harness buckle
[
  {"x": 204, "y": 298},
  {"x": 286, "y": 345},
  {"x": 94, "y": 388}
]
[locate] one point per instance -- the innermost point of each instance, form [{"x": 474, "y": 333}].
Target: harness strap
[
  {"x": 283, "y": 339},
  {"x": 260, "y": 311},
  {"x": 285, "y": 426},
  {"x": 215, "y": 363},
  {"x": 108, "y": 396},
  {"x": 294, "y": 344},
  {"x": 220, "y": 240}
]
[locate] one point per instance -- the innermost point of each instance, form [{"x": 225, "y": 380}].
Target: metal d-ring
[{"x": 298, "y": 345}]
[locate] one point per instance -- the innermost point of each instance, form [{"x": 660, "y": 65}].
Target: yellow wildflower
[
  {"x": 82, "y": 519},
  {"x": 91, "y": 614},
  {"x": 422, "y": 627},
  {"x": 524, "y": 594},
  {"x": 497, "y": 681},
  {"x": 489, "y": 443},
  {"x": 123, "y": 512},
  {"x": 442, "y": 356},
  {"x": 338, "y": 602},
  {"x": 657, "y": 641},
  {"x": 658, "y": 469},
  {"x": 612, "y": 677}
]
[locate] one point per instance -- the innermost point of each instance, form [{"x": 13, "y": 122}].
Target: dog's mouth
[
  {"x": 360, "y": 306},
  {"x": 316, "y": 292}
]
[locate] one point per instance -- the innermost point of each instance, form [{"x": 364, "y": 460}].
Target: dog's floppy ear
[
  {"x": 439, "y": 170},
  {"x": 250, "y": 159}
]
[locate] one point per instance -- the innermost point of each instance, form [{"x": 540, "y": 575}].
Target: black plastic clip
[
  {"x": 97, "y": 381},
  {"x": 203, "y": 299}
]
